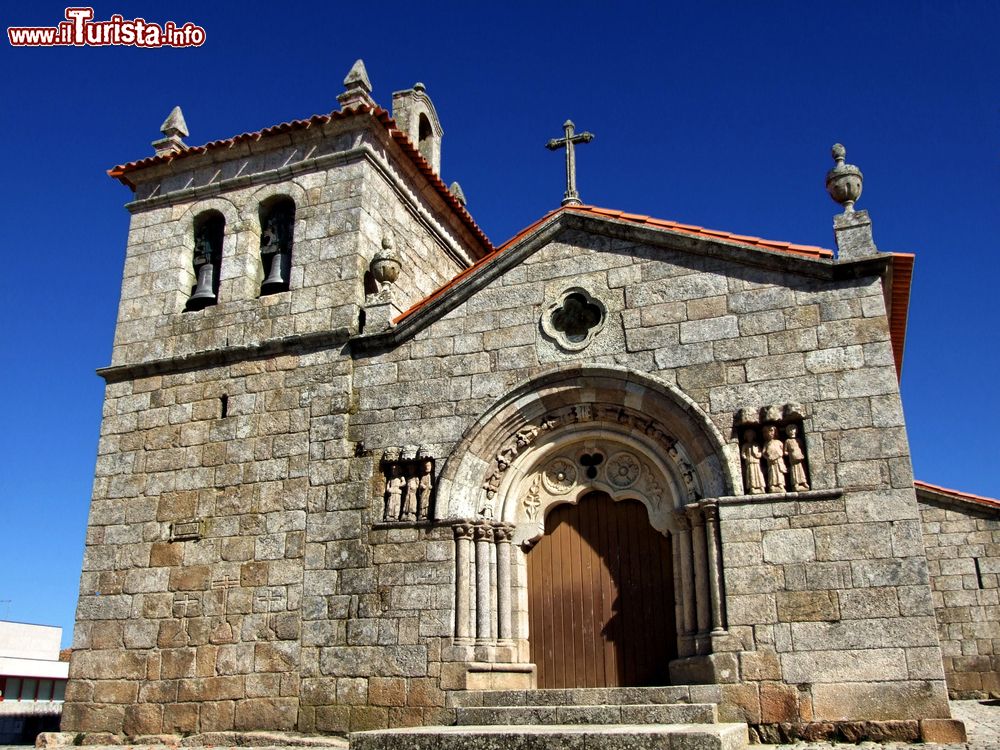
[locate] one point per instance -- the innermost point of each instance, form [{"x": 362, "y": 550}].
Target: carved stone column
[
  {"x": 687, "y": 575},
  {"x": 502, "y": 536},
  {"x": 714, "y": 568},
  {"x": 484, "y": 597},
  {"x": 700, "y": 569},
  {"x": 675, "y": 551},
  {"x": 463, "y": 582}
]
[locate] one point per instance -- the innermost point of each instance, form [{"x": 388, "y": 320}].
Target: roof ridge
[
  {"x": 379, "y": 114},
  {"x": 979, "y": 499},
  {"x": 812, "y": 251}
]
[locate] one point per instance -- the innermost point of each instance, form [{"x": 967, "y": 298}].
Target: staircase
[{"x": 660, "y": 718}]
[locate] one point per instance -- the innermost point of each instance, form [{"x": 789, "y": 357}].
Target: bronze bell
[
  {"x": 203, "y": 295},
  {"x": 275, "y": 281}
]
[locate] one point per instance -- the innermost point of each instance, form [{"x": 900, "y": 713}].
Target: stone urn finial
[
  {"x": 844, "y": 181},
  {"x": 385, "y": 265}
]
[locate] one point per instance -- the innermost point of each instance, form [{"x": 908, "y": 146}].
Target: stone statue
[
  {"x": 774, "y": 455},
  {"x": 753, "y": 476},
  {"x": 493, "y": 483},
  {"x": 424, "y": 491},
  {"x": 410, "y": 504},
  {"x": 796, "y": 459},
  {"x": 393, "y": 493}
]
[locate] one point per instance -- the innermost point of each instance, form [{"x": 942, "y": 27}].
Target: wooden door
[{"x": 600, "y": 597}]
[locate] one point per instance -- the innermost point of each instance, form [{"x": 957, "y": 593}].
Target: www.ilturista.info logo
[{"x": 80, "y": 30}]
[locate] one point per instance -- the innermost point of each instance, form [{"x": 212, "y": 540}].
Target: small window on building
[
  {"x": 59, "y": 693},
  {"x": 13, "y": 691},
  {"x": 44, "y": 690},
  {"x": 277, "y": 220},
  {"x": 209, "y": 229},
  {"x": 28, "y": 687}
]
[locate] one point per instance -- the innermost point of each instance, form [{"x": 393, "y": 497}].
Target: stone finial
[
  {"x": 456, "y": 190},
  {"x": 844, "y": 181},
  {"x": 173, "y": 129},
  {"x": 380, "y": 307},
  {"x": 358, "y": 88},
  {"x": 385, "y": 265},
  {"x": 852, "y": 229}
]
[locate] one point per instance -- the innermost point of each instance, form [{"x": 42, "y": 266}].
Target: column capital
[
  {"x": 503, "y": 533},
  {"x": 683, "y": 522},
  {"x": 483, "y": 532},
  {"x": 711, "y": 512},
  {"x": 694, "y": 516},
  {"x": 463, "y": 530}
]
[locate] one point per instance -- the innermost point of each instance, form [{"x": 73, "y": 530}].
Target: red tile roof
[
  {"x": 899, "y": 305},
  {"x": 377, "y": 113},
  {"x": 809, "y": 251},
  {"x": 987, "y": 502}
]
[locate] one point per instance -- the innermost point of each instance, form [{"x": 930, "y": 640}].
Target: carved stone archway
[
  {"x": 552, "y": 440},
  {"x": 587, "y": 397}
]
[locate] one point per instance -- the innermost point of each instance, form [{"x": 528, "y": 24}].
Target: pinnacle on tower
[
  {"x": 173, "y": 129},
  {"x": 456, "y": 190},
  {"x": 358, "y": 87}
]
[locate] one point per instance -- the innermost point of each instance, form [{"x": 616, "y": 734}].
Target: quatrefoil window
[{"x": 574, "y": 320}]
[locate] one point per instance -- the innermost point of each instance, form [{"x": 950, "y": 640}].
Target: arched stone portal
[{"x": 553, "y": 440}]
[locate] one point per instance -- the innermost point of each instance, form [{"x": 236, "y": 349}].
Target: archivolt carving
[
  {"x": 627, "y": 420},
  {"x": 557, "y": 406}
]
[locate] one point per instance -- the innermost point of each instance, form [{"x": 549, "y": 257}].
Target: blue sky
[{"x": 717, "y": 114}]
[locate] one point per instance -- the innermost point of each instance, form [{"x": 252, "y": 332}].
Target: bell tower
[{"x": 415, "y": 115}]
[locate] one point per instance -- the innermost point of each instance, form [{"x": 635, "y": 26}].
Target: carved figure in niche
[
  {"x": 796, "y": 460},
  {"x": 394, "y": 485},
  {"x": 493, "y": 483},
  {"x": 424, "y": 490},
  {"x": 753, "y": 476},
  {"x": 774, "y": 456},
  {"x": 410, "y": 504}
]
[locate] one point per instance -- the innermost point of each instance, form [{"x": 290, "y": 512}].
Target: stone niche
[
  {"x": 773, "y": 453},
  {"x": 407, "y": 483}
]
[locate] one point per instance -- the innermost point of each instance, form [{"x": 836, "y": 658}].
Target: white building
[{"x": 32, "y": 680}]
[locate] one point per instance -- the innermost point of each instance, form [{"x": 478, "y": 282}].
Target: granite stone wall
[{"x": 963, "y": 559}]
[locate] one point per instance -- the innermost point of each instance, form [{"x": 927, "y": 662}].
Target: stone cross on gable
[{"x": 571, "y": 198}]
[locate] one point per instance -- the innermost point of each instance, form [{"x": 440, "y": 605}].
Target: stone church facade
[{"x": 356, "y": 461}]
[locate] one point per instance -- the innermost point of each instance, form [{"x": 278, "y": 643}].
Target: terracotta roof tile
[
  {"x": 810, "y": 251},
  {"x": 964, "y": 496},
  {"x": 378, "y": 114},
  {"x": 899, "y": 304}
]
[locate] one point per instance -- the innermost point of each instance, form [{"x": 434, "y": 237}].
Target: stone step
[
  {"x": 637, "y": 713},
  {"x": 558, "y": 737},
  {"x": 581, "y": 696}
]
